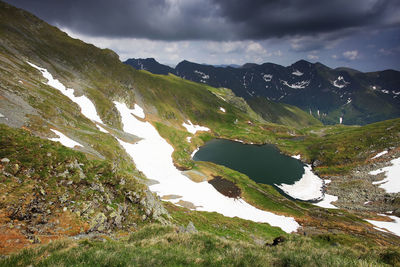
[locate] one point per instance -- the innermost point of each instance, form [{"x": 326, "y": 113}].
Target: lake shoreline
[{"x": 308, "y": 188}]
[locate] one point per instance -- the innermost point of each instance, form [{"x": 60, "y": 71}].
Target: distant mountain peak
[
  {"x": 327, "y": 92},
  {"x": 249, "y": 65}
]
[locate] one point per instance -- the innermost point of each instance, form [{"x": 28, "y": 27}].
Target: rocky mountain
[
  {"x": 150, "y": 64},
  {"x": 95, "y": 156},
  {"x": 333, "y": 96}
]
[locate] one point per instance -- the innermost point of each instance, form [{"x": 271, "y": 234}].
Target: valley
[{"x": 100, "y": 162}]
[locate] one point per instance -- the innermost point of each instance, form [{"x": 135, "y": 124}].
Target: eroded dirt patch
[{"x": 225, "y": 187}]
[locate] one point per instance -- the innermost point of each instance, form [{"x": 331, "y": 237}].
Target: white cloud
[
  {"x": 312, "y": 57},
  {"x": 254, "y": 47},
  {"x": 172, "y": 48},
  {"x": 351, "y": 55}
]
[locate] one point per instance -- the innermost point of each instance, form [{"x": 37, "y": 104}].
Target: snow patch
[
  {"x": 380, "y": 154},
  {"x": 326, "y": 202},
  {"x": 393, "y": 227},
  {"x": 297, "y": 85},
  {"x": 340, "y": 82},
  {"x": 153, "y": 156},
  {"x": 391, "y": 183},
  {"x": 194, "y": 128},
  {"x": 385, "y": 91},
  {"x": 64, "y": 140},
  {"x": 348, "y": 100},
  {"x": 309, "y": 187},
  {"x": 194, "y": 152},
  {"x": 87, "y": 107},
  {"x": 297, "y": 73},
  {"x": 189, "y": 139},
  {"x": 101, "y": 129},
  {"x": 2, "y": 116},
  {"x": 267, "y": 77},
  {"x": 222, "y": 109},
  {"x": 138, "y": 111},
  {"x": 298, "y": 156},
  {"x": 340, "y": 120},
  {"x": 203, "y": 76}
]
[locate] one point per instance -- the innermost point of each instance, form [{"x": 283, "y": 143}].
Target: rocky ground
[
  {"x": 48, "y": 191},
  {"x": 356, "y": 191}
]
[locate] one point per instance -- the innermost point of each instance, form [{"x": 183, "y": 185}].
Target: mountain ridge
[{"x": 328, "y": 94}]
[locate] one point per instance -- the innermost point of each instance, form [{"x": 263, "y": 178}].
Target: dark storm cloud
[
  {"x": 261, "y": 19},
  {"x": 214, "y": 19}
]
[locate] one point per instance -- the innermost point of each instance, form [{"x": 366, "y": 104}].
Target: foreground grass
[{"x": 157, "y": 245}]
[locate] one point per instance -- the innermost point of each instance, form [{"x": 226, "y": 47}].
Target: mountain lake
[{"x": 261, "y": 163}]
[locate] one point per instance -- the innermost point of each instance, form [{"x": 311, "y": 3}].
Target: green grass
[
  {"x": 342, "y": 148},
  {"x": 41, "y": 167},
  {"x": 282, "y": 113},
  {"x": 157, "y": 245},
  {"x": 168, "y": 101}
]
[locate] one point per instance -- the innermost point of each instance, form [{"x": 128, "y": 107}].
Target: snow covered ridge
[
  {"x": 87, "y": 107},
  {"x": 64, "y": 140},
  {"x": 340, "y": 82},
  {"x": 297, "y": 73},
  {"x": 267, "y": 77},
  {"x": 391, "y": 182},
  {"x": 296, "y": 85},
  {"x": 153, "y": 156},
  {"x": 194, "y": 128}
]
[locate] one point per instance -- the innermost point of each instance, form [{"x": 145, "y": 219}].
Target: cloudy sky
[{"x": 362, "y": 34}]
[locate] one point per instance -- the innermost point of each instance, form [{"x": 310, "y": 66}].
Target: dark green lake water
[{"x": 263, "y": 164}]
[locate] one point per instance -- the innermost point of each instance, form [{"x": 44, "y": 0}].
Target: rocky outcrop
[{"x": 356, "y": 191}]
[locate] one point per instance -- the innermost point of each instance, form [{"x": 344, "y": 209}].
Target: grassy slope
[
  {"x": 221, "y": 240},
  {"x": 282, "y": 113},
  {"x": 340, "y": 148},
  {"x": 50, "y": 191},
  {"x": 168, "y": 101},
  {"x": 162, "y": 245}
]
